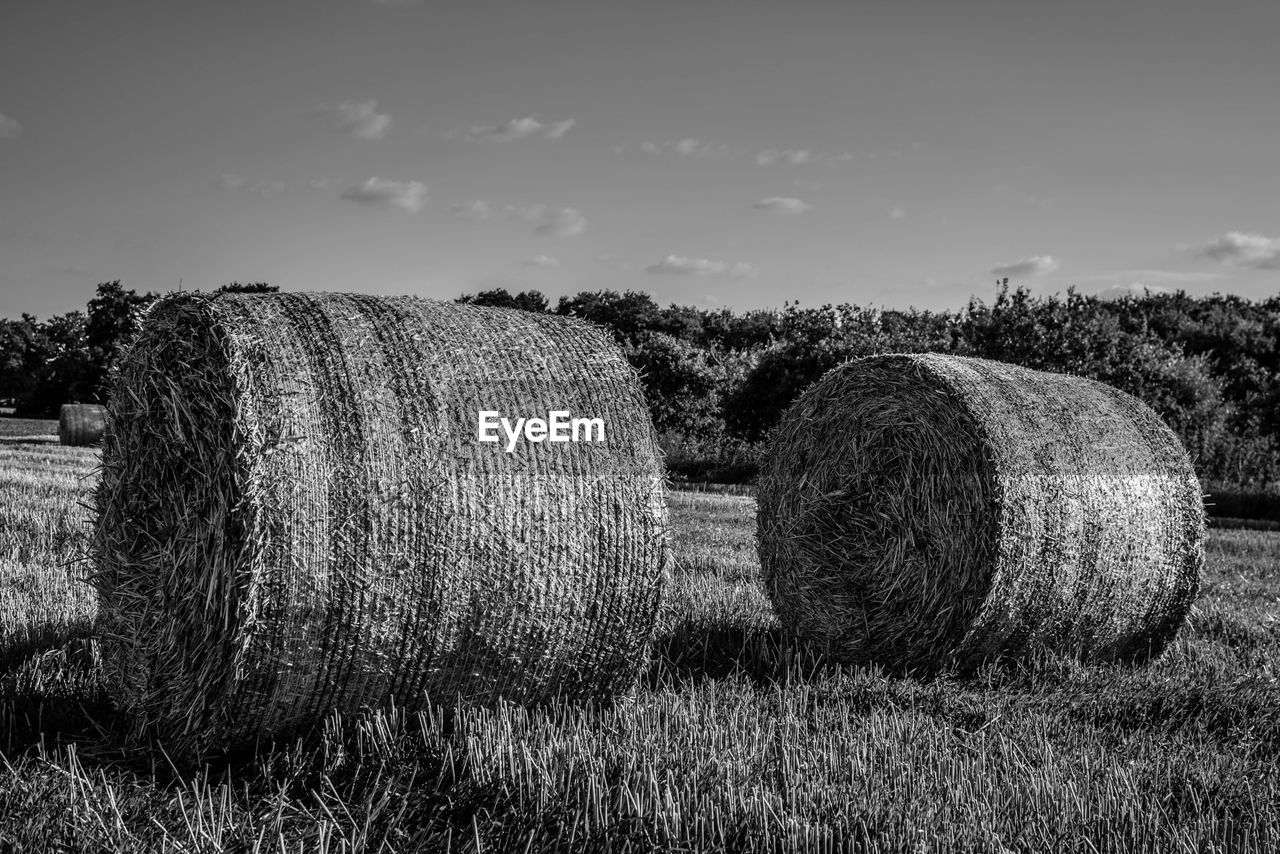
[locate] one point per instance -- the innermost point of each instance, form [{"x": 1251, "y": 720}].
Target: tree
[
  {"x": 682, "y": 385},
  {"x": 20, "y": 353},
  {"x": 502, "y": 298},
  {"x": 630, "y": 316},
  {"x": 114, "y": 315},
  {"x": 59, "y": 368}
]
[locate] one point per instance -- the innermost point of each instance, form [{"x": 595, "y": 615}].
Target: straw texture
[
  {"x": 295, "y": 515},
  {"x": 926, "y": 510},
  {"x": 81, "y": 423}
]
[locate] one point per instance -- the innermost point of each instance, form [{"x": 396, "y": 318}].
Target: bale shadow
[
  {"x": 55, "y": 695},
  {"x": 692, "y": 651},
  {"x": 29, "y": 642},
  {"x": 29, "y": 440}
]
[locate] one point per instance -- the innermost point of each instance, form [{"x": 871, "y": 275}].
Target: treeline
[
  {"x": 68, "y": 358},
  {"x": 718, "y": 380}
]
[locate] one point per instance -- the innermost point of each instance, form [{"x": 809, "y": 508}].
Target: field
[{"x": 738, "y": 740}]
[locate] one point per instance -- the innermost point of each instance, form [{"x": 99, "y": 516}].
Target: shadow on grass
[
  {"x": 691, "y": 652},
  {"x": 28, "y": 440},
  {"x": 55, "y": 695}
]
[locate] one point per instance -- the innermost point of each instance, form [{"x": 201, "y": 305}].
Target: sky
[{"x": 709, "y": 152}]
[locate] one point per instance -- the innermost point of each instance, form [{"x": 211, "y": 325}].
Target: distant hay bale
[
  {"x": 81, "y": 423},
  {"x": 926, "y": 510},
  {"x": 295, "y": 515}
]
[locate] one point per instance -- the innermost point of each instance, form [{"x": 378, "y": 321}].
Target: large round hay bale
[
  {"x": 81, "y": 423},
  {"x": 296, "y": 515},
  {"x": 921, "y": 511}
]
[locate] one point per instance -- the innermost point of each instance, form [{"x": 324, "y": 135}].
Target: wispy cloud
[
  {"x": 359, "y": 118},
  {"x": 1037, "y": 265},
  {"x": 1244, "y": 249},
  {"x": 517, "y": 129},
  {"x": 561, "y": 222},
  {"x": 557, "y": 222},
  {"x": 9, "y": 127},
  {"x": 799, "y": 157},
  {"x": 678, "y": 265},
  {"x": 686, "y": 147},
  {"x": 260, "y": 186},
  {"x": 408, "y": 196},
  {"x": 783, "y": 205},
  {"x": 476, "y": 211},
  {"x": 542, "y": 261},
  {"x": 1122, "y": 290},
  {"x": 897, "y": 212}
]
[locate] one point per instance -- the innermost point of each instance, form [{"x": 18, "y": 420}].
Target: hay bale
[
  {"x": 81, "y": 423},
  {"x": 927, "y": 510},
  {"x": 296, "y": 516}
]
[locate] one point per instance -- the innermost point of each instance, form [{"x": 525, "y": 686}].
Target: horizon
[{"x": 737, "y": 155}]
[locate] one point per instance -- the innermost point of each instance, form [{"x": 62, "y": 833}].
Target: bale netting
[
  {"x": 296, "y": 515},
  {"x": 928, "y": 511},
  {"x": 81, "y": 423}
]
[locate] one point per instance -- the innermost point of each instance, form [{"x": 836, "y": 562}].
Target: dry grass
[
  {"x": 720, "y": 751},
  {"x": 924, "y": 511},
  {"x": 44, "y": 598},
  {"x": 296, "y": 516}
]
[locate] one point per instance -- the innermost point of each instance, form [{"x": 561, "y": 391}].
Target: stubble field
[{"x": 737, "y": 739}]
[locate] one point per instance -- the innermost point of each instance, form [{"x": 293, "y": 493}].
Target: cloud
[
  {"x": 557, "y": 130},
  {"x": 686, "y": 147},
  {"x": 262, "y": 186},
  {"x": 557, "y": 222},
  {"x": 9, "y": 127},
  {"x": 791, "y": 156},
  {"x": 477, "y": 211},
  {"x": 1037, "y": 265},
  {"x": 359, "y": 118},
  {"x": 799, "y": 157},
  {"x": 519, "y": 129},
  {"x": 689, "y": 147},
  {"x": 408, "y": 196},
  {"x": 897, "y": 212},
  {"x": 1244, "y": 249},
  {"x": 1124, "y": 290},
  {"x": 542, "y": 261},
  {"x": 562, "y": 222},
  {"x": 678, "y": 265},
  {"x": 783, "y": 205}
]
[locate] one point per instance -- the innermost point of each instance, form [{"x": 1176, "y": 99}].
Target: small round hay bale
[
  {"x": 81, "y": 423},
  {"x": 921, "y": 511},
  {"x": 296, "y": 516}
]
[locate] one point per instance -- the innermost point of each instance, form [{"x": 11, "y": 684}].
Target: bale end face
[
  {"x": 923, "y": 511},
  {"x": 296, "y": 515}
]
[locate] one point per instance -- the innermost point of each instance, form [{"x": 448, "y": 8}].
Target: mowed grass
[{"x": 738, "y": 739}]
